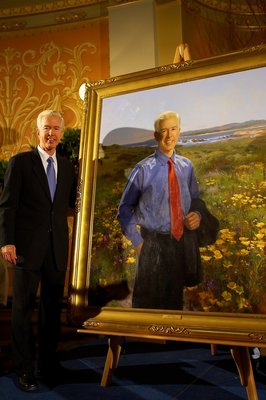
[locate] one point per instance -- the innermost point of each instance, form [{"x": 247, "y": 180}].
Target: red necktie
[{"x": 175, "y": 202}]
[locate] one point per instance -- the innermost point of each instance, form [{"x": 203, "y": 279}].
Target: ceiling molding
[
  {"x": 29, "y": 7},
  {"x": 31, "y": 14}
]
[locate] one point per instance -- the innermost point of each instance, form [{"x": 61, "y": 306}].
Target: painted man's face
[{"x": 168, "y": 135}]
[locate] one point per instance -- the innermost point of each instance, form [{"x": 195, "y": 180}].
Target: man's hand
[
  {"x": 9, "y": 253},
  {"x": 192, "y": 220}
]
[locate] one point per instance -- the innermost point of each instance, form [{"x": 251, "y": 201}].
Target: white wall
[{"x": 132, "y": 37}]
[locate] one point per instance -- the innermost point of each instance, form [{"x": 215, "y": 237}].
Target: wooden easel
[
  {"x": 236, "y": 331},
  {"x": 240, "y": 355}
]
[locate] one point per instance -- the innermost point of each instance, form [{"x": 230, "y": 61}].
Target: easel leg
[
  {"x": 213, "y": 349},
  {"x": 242, "y": 359},
  {"x": 115, "y": 344}
]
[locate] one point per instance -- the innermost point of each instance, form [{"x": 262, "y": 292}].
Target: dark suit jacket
[{"x": 28, "y": 216}]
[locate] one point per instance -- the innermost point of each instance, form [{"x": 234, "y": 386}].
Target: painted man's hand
[{"x": 192, "y": 220}]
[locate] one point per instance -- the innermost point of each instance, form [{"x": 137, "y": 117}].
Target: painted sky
[{"x": 204, "y": 103}]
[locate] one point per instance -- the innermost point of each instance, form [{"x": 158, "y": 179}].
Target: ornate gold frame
[{"x": 231, "y": 329}]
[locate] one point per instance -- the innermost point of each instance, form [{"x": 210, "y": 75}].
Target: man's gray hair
[{"x": 49, "y": 113}]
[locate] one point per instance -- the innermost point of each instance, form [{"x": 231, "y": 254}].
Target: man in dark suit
[{"x": 34, "y": 238}]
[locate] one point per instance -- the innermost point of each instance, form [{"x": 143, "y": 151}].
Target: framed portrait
[{"x": 221, "y": 102}]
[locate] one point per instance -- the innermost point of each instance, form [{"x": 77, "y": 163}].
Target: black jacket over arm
[{"x": 205, "y": 235}]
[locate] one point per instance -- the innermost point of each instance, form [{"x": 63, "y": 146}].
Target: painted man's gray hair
[{"x": 165, "y": 115}]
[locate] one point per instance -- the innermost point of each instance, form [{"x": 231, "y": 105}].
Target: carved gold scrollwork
[
  {"x": 173, "y": 67},
  {"x": 92, "y": 324},
  {"x": 168, "y": 330},
  {"x": 257, "y": 336},
  {"x": 102, "y": 82},
  {"x": 71, "y": 17},
  {"x": 12, "y": 26},
  {"x": 79, "y": 195}
]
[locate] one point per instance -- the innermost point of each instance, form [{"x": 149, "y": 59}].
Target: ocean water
[{"x": 189, "y": 140}]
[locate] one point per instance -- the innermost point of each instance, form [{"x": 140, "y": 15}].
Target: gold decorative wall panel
[{"x": 46, "y": 71}]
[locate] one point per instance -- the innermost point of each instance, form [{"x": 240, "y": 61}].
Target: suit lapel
[
  {"x": 40, "y": 172},
  {"x": 60, "y": 179}
]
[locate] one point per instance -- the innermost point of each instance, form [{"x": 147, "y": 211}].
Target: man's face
[
  {"x": 50, "y": 133},
  {"x": 168, "y": 135}
]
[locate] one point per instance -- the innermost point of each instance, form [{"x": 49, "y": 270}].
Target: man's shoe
[{"x": 27, "y": 382}]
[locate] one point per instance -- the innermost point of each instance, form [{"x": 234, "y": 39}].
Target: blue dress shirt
[{"x": 145, "y": 200}]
